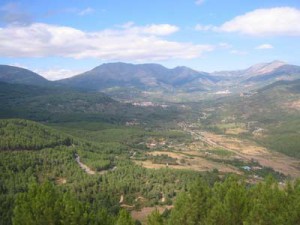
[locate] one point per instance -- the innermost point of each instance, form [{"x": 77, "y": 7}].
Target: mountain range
[
  {"x": 142, "y": 76},
  {"x": 158, "y": 77}
]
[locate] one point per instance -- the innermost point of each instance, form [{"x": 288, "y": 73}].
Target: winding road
[
  {"x": 90, "y": 171},
  {"x": 87, "y": 169}
]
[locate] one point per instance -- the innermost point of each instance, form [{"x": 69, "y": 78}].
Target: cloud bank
[
  {"x": 280, "y": 21},
  {"x": 128, "y": 43},
  {"x": 57, "y": 74}
]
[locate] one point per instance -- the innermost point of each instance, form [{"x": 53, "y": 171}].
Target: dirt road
[{"x": 84, "y": 167}]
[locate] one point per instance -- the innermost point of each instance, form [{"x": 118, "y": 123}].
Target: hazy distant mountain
[
  {"x": 255, "y": 70},
  {"x": 259, "y": 75},
  {"x": 262, "y": 68},
  {"x": 113, "y": 77},
  {"x": 143, "y": 76},
  {"x": 284, "y": 72},
  {"x": 17, "y": 75}
]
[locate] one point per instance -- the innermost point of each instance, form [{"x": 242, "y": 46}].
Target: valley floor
[{"x": 228, "y": 154}]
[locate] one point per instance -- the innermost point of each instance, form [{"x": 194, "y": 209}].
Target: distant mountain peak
[
  {"x": 278, "y": 62},
  {"x": 181, "y": 67},
  {"x": 263, "y": 68}
]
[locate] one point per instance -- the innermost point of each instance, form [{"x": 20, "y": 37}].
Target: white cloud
[
  {"x": 56, "y": 74},
  {"x": 264, "y": 46},
  {"x": 153, "y": 29},
  {"x": 51, "y": 74},
  {"x": 86, "y": 11},
  {"x": 280, "y": 21},
  {"x": 160, "y": 29},
  {"x": 131, "y": 43},
  {"x": 199, "y": 2},
  {"x": 265, "y": 22}
]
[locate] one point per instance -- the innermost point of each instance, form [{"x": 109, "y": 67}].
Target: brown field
[
  {"x": 193, "y": 161},
  {"x": 248, "y": 150},
  {"x": 293, "y": 105},
  {"x": 143, "y": 213},
  {"x": 234, "y": 144},
  {"x": 237, "y": 130},
  {"x": 197, "y": 155}
]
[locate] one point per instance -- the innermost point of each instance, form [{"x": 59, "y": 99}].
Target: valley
[
  {"x": 141, "y": 146},
  {"x": 209, "y": 151}
]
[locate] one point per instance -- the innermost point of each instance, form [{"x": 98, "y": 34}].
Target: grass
[
  {"x": 221, "y": 152},
  {"x": 284, "y": 137}
]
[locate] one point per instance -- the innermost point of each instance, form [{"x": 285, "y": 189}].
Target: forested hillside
[
  {"x": 17, "y": 134},
  {"x": 235, "y": 202},
  {"x": 66, "y": 105},
  {"x": 269, "y": 116},
  {"x": 39, "y": 180}
]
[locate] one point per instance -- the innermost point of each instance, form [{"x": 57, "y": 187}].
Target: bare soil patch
[
  {"x": 235, "y": 131},
  {"x": 293, "y": 105},
  {"x": 61, "y": 180},
  {"x": 145, "y": 212},
  {"x": 200, "y": 154},
  {"x": 193, "y": 162}
]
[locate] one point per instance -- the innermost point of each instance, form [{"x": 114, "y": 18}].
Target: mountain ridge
[
  {"x": 151, "y": 76},
  {"x": 18, "y": 75},
  {"x": 144, "y": 76}
]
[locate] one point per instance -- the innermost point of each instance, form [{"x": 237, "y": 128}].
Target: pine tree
[
  {"x": 44, "y": 205},
  {"x": 124, "y": 218},
  {"x": 155, "y": 218}
]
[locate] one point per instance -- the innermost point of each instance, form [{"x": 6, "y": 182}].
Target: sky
[{"x": 59, "y": 39}]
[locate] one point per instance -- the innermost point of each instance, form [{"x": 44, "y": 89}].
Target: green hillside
[
  {"x": 17, "y": 134},
  {"x": 17, "y": 75},
  {"x": 28, "y": 173},
  {"x": 41, "y": 103},
  {"x": 270, "y": 116},
  {"x": 66, "y": 105}
]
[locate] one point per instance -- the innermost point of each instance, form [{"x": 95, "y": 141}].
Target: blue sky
[{"x": 63, "y": 38}]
